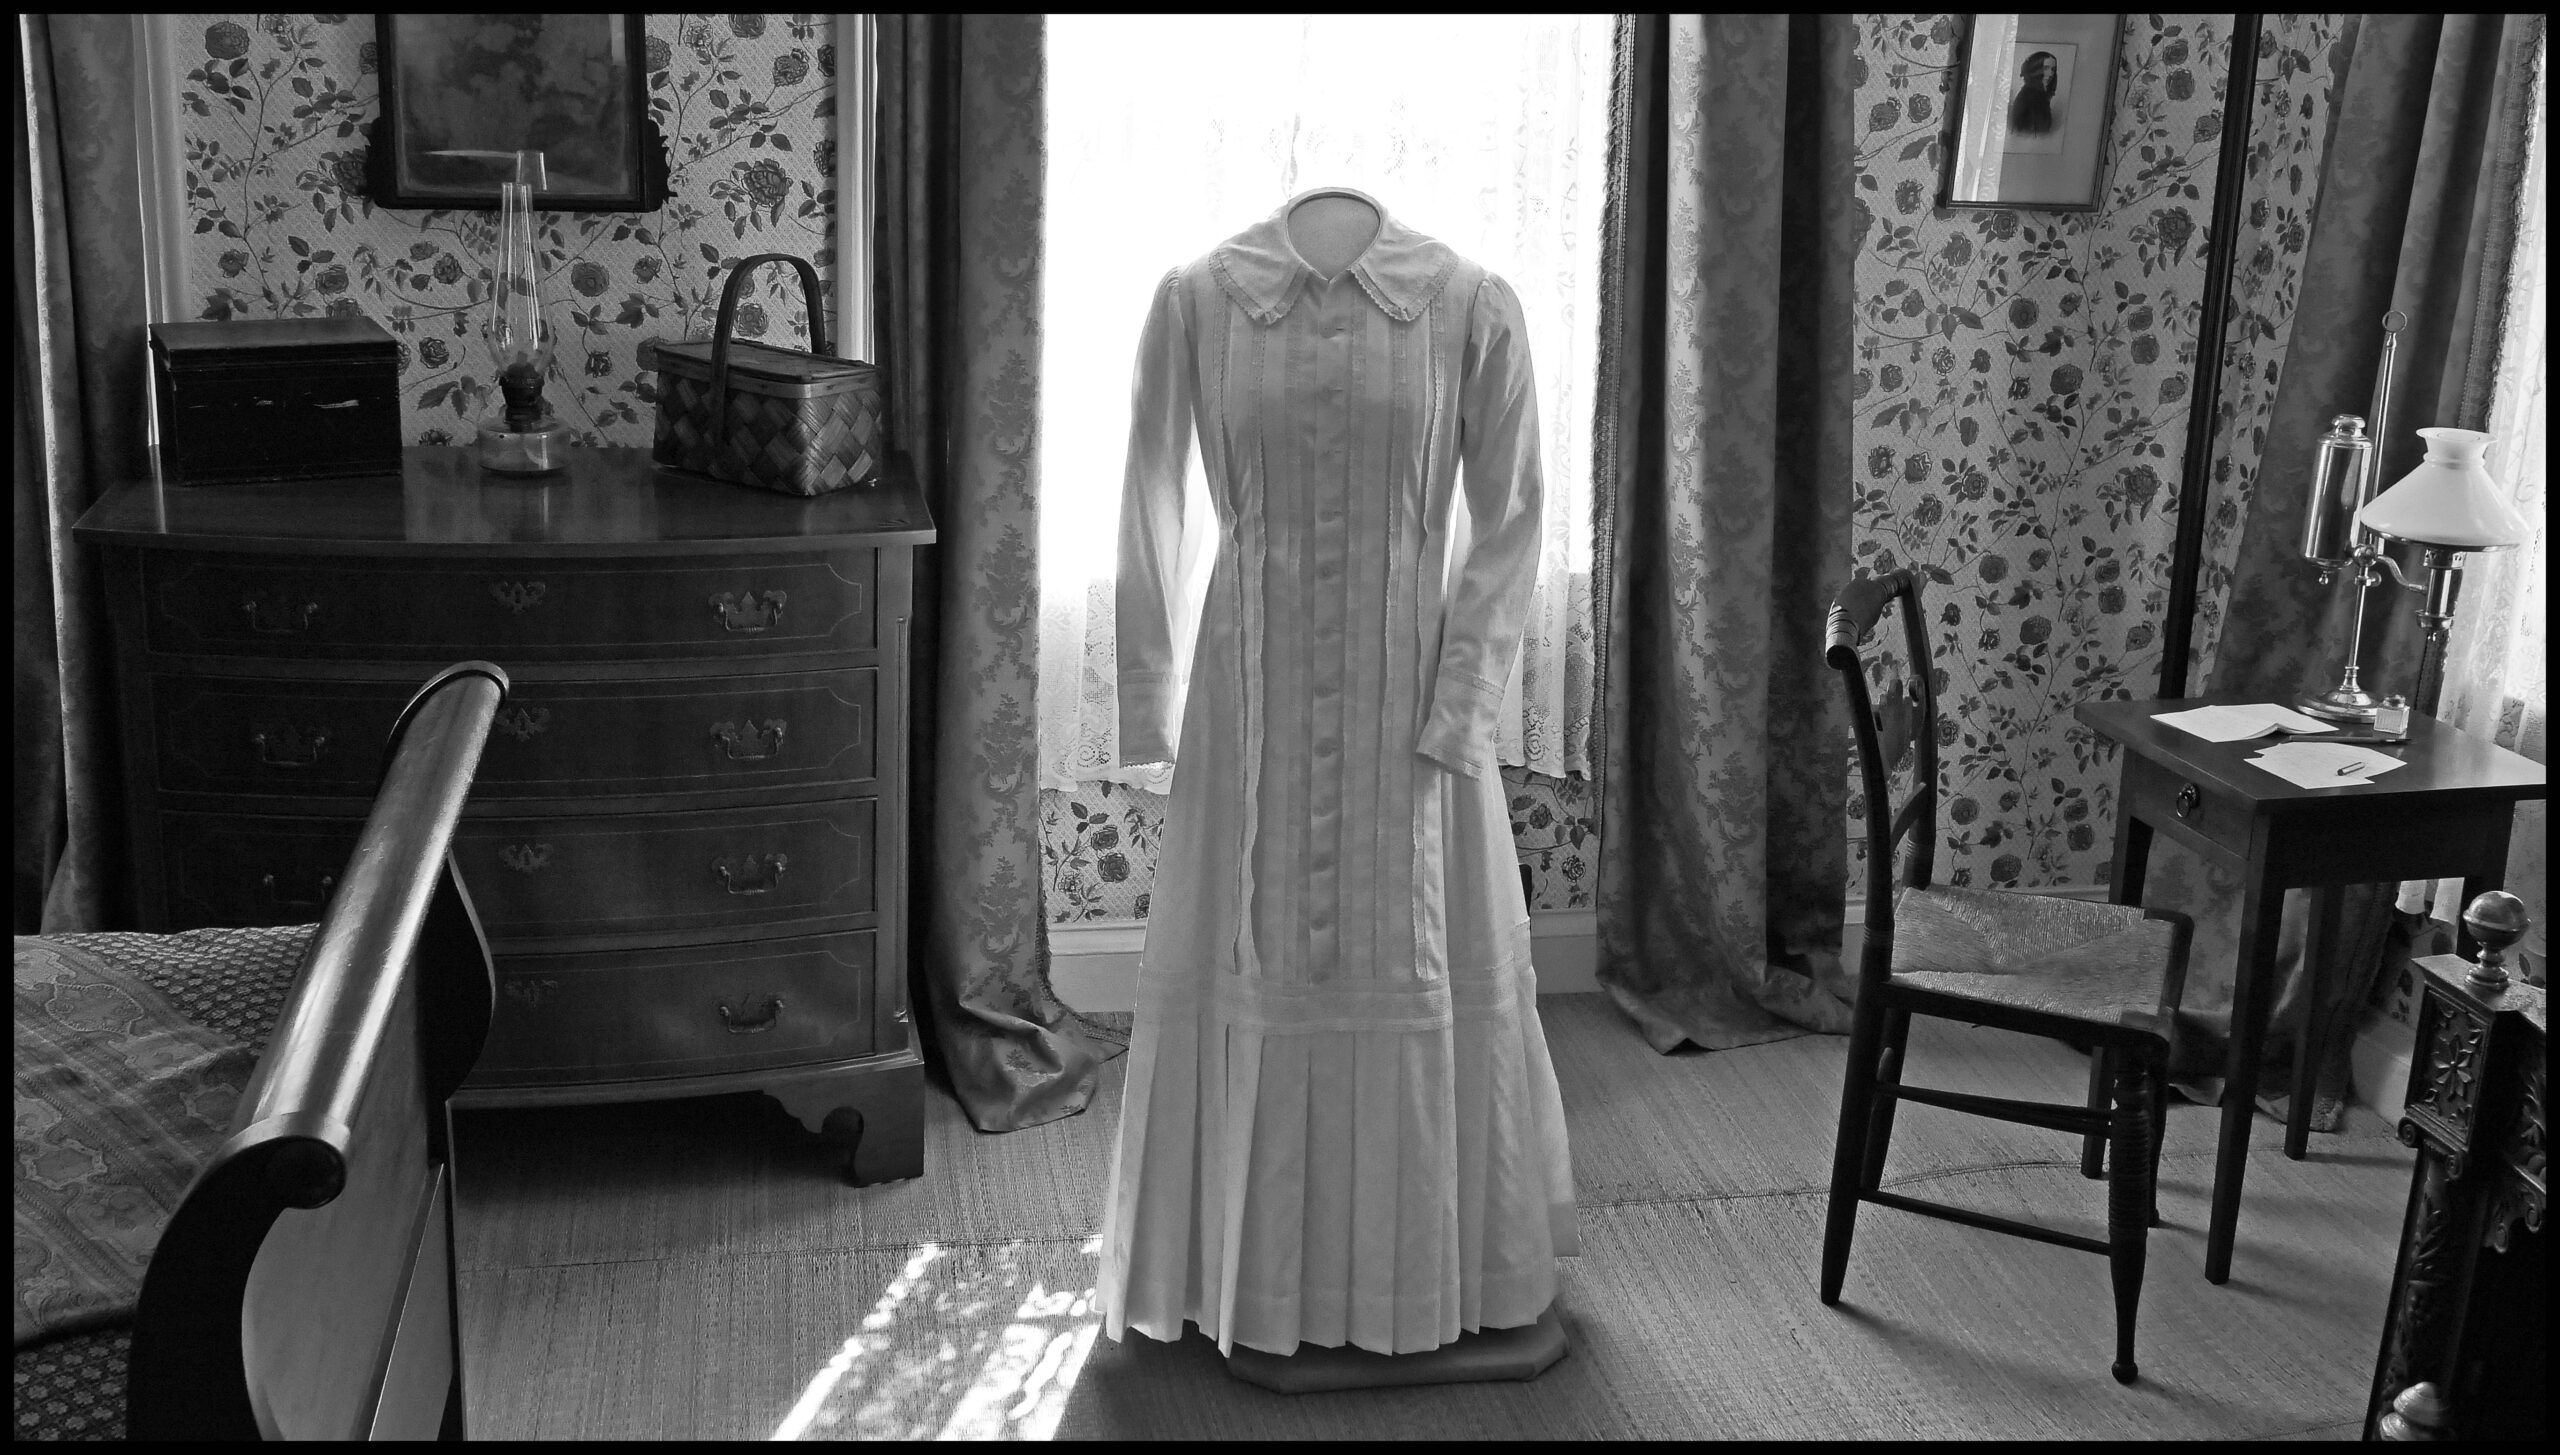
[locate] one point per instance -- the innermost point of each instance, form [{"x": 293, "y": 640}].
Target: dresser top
[{"x": 609, "y": 502}]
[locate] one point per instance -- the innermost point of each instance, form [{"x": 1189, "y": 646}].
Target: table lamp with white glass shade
[{"x": 2448, "y": 505}]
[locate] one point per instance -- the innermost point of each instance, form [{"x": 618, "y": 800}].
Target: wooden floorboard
[{"x": 694, "y": 1270}]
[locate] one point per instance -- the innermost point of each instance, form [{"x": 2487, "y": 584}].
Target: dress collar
[{"x": 1401, "y": 270}]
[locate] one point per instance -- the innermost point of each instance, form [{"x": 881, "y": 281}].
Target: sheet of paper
[
  {"x": 2325, "y": 765},
  {"x": 2232, "y": 723}
]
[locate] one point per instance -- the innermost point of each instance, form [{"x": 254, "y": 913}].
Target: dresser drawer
[
  {"x": 530, "y": 610},
  {"x": 749, "y": 870},
  {"x": 550, "y": 740},
  {"x": 694, "y": 1011}
]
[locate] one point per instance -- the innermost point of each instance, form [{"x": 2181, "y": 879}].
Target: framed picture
[
  {"x": 2036, "y": 95},
  {"x": 461, "y": 94}
]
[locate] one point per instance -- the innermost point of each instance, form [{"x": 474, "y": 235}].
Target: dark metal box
[{"x": 276, "y": 399}]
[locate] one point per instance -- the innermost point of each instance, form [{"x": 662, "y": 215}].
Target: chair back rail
[
  {"x": 1906, "y": 720},
  {"x": 305, "y": 1279}
]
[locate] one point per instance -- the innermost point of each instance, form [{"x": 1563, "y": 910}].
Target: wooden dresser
[{"x": 688, "y": 841}]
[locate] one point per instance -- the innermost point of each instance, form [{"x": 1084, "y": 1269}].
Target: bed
[{"x": 255, "y": 1120}]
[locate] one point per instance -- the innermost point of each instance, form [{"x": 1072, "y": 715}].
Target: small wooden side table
[
  {"x": 2470, "y": 1310},
  {"x": 2447, "y": 814}
]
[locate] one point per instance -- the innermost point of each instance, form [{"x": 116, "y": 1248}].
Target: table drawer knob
[
  {"x": 744, "y": 1025},
  {"x": 2189, "y": 799}
]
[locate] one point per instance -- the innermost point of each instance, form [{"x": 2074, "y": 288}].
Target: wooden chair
[{"x": 2097, "y": 975}]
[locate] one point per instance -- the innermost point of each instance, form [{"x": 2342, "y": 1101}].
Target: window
[{"x": 1169, "y": 134}]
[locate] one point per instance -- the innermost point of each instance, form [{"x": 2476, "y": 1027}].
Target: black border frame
[
  {"x": 1963, "y": 61},
  {"x": 649, "y": 172}
]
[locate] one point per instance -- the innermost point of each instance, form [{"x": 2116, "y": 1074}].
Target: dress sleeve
[
  {"x": 1489, "y": 600},
  {"x": 1147, "y": 604}
]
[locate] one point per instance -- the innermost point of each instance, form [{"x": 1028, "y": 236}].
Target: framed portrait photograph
[
  {"x": 2036, "y": 95},
  {"x": 462, "y": 94}
]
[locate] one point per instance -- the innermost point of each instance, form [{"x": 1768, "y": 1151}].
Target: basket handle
[{"x": 729, "y": 316}]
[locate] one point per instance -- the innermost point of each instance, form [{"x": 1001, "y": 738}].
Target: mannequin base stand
[{"x": 1522, "y": 1353}]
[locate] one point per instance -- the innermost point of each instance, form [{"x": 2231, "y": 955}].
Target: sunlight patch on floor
[{"x": 964, "y": 1344}]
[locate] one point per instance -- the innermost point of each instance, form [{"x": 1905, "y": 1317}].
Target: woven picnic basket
[{"x": 753, "y": 414}]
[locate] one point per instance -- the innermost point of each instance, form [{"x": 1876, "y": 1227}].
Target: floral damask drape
[
  {"x": 2497, "y": 669},
  {"x": 78, "y": 427},
  {"x": 958, "y": 294},
  {"x": 2417, "y": 211},
  {"x": 1723, "y": 462},
  {"x": 1487, "y": 136}
]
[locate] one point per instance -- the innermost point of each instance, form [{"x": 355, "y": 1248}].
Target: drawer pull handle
[
  {"x": 518, "y": 596},
  {"x": 752, "y": 611},
  {"x": 270, "y": 616},
  {"x": 747, "y": 878},
  {"x": 2189, "y": 799},
  {"x": 341, "y": 404},
  {"x": 287, "y": 746},
  {"x": 275, "y": 896},
  {"x": 521, "y": 722},
  {"x": 525, "y": 858},
  {"x": 763, "y": 738},
  {"x": 743, "y": 1026}
]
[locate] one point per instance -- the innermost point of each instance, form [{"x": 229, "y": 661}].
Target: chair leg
[
  {"x": 1848, "y": 1150},
  {"x": 2093, "y": 1162},
  {"x": 2129, "y": 1198},
  {"x": 2159, "y": 1072},
  {"x": 1897, "y": 1035}
]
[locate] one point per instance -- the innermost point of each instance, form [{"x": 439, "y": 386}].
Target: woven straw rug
[{"x": 689, "y": 1270}]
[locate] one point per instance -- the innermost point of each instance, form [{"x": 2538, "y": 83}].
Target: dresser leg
[{"x": 875, "y": 1119}]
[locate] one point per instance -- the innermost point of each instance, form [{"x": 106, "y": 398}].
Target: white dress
[{"x": 1341, "y": 1123}]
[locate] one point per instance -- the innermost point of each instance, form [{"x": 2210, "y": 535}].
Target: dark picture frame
[
  {"x": 2034, "y": 111},
  {"x": 462, "y": 93}
]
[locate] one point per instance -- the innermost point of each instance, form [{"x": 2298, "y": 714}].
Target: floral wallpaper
[
  {"x": 2023, "y": 380},
  {"x": 2022, "y": 376},
  {"x": 274, "y": 116}
]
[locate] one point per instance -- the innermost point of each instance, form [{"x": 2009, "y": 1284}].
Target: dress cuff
[
  {"x": 1148, "y": 702},
  {"x": 1459, "y": 733}
]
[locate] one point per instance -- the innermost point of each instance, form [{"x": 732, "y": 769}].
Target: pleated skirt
[{"x": 1388, "y": 1189}]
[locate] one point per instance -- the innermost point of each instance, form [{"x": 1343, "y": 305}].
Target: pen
[{"x": 2355, "y": 767}]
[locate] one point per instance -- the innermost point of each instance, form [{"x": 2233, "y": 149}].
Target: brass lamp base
[{"x": 2342, "y": 703}]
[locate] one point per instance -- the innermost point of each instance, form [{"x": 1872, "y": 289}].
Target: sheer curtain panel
[{"x": 1169, "y": 133}]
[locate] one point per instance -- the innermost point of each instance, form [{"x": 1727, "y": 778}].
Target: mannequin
[
  {"x": 1342, "y": 1132},
  {"x": 1331, "y": 231}
]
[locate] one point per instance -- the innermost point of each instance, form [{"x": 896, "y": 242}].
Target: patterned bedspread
[{"x": 131, "y": 1051}]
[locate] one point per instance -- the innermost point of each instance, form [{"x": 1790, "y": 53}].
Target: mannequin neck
[{"x": 1331, "y": 231}]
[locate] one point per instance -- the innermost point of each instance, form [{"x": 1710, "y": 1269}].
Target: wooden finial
[{"x": 2496, "y": 919}]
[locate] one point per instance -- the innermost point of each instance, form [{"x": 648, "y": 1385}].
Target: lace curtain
[
  {"x": 2496, "y": 673},
  {"x": 1169, "y": 134}
]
